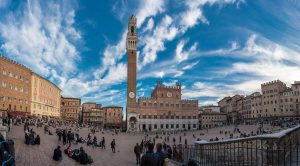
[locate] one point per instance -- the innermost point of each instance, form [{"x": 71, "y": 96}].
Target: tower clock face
[
  {"x": 131, "y": 94},
  {"x": 169, "y": 94}
]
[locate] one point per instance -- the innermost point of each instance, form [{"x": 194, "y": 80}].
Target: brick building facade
[
  {"x": 15, "y": 87},
  {"x": 212, "y": 119},
  {"x": 70, "y": 109},
  {"x": 45, "y": 97},
  {"x": 91, "y": 113},
  {"x": 113, "y": 116},
  {"x": 276, "y": 101}
]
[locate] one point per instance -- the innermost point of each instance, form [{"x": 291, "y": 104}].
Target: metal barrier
[{"x": 280, "y": 149}]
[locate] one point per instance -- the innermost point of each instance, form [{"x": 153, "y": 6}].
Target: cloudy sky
[{"x": 215, "y": 48}]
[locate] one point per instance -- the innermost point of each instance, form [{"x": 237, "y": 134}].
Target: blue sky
[{"x": 215, "y": 48}]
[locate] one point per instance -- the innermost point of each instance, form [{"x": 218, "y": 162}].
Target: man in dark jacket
[
  {"x": 150, "y": 158},
  {"x": 64, "y": 134},
  {"x": 161, "y": 155},
  {"x": 57, "y": 154},
  {"x": 83, "y": 157},
  {"x": 113, "y": 146},
  {"x": 137, "y": 151}
]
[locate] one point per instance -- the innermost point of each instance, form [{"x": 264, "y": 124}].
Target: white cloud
[
  {"x": 103, "y": 96},
  {"x": 220, "y": 90},
  {"x": 191, "y": 16},
  {"x": 207, "y": 102},
  {"x": 194, "y": 12},
  {"x": 190, "y": 66},
  {"x": 155, "y": 42},
  {"x": 270, "y": 61},
  {"x": 113, "y": 53},
  {"x": 116, "y": 74},
  {"x": 42, "y": 37},
  {"x": 172, "y": 26},
  {"x": 160, "y": 72},
  {"x": 182, "y": 55},
  {"x": 150, "y": 25},
  {"x": 84, "y": 87},
  {"x": 149, "y": 8}
]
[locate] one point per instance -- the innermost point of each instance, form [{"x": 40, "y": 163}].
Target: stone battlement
[
  {"x": 13, "y": 62},
  {"x": 160, "y": 85},
  {"x": 272, "y": 82}
]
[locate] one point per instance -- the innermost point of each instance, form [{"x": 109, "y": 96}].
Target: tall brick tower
[{"x": 131, "y": 46}]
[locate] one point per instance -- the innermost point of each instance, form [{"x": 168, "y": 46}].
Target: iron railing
[{"x": 271, "y": 150}]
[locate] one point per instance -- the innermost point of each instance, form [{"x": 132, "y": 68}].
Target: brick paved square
[{"x": 37, "y": 155}]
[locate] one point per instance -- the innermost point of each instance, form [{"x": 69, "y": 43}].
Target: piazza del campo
[{"x": 195, "y": 115}]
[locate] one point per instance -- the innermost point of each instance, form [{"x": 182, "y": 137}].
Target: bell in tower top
[
  {"x": 132, "y": 37},
  {"x": 132, "y": 25}
]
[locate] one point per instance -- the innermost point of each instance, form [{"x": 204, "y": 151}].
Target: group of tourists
[
  {"x": 67, "y": 136},
  {"x": 161, "y": 157},
  {"x": 30, "y": 138},
  {"x": 70, "y": 136},
  {"x": 94, "y": 142},
  {"x": 78, "y": 155},
  {"x": 164, "y": 151},
  {"x": 150, "y": 158}
]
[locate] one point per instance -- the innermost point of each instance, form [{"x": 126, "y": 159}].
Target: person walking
[
  {"x": 142, "y": 146},
  {"x": 103, "y": 143},
  {"x": 113, "y": 146},
  {"x": 64, "y": 137},
  {"x": 94, "y": 141},
  {"x": 59, "y": 135},
  {"x": 137, "y": 152}
]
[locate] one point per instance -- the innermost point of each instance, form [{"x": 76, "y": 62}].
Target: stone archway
[{"x": 132, "y": 123}]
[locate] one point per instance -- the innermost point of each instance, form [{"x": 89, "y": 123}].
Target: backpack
[{"x": 6, "y": 153}]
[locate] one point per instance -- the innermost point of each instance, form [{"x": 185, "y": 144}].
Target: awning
[{"x": 17, "y": 113}]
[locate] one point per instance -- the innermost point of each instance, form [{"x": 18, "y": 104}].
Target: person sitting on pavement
[
  {"x": 50, "y": 133},
  {"x": 57, "y": 154},
  {"x": 83, "y": 157},
  {"x": 95, "y": 141},
  {"x": 68, "y": 150},
  {"x": 37, "y": 140},
  {"x": 76, "y": 153},
  {"x": 31, "y": 139}
]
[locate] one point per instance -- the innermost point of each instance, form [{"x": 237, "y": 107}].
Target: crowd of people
[
  {"x": 168, "y": 149},
  {"x": 70, "y": 136},
  {"x": 161, "y": 157},
  {"x": 155, "y": 150},
  {"x": 31, "y": 138},
  {"x": 78, "y": 155}
]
